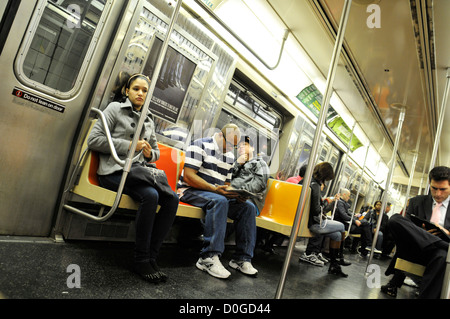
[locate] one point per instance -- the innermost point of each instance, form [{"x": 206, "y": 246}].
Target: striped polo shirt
[{"x": 206, "y": 157}]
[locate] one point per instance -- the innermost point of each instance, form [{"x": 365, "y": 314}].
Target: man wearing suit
[{"x": 417, "y": 245}]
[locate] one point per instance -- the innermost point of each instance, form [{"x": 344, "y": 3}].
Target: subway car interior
[{"x": 360, "y": 84}]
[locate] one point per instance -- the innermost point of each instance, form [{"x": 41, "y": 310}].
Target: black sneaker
[
  {"x": 163, "y": 277},
  {"x": 343, "y": 262},
  {"x": 146, "y": 271},
  {"x": 335, "y": 269},
  {"x": 389, "y": 290}
]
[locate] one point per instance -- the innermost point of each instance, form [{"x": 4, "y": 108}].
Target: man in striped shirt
[{"x": 203, "y": 183}]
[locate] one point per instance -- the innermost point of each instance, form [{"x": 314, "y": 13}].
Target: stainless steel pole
[
  {"x": 439, "y": 128},
  {"x": 413, "y": 166},
  {"x": 154, "y": 79},
  {"x": 357, "y": 193},
  {"x": 388, "y": 183},
  {"x": 424, "y": 175},
  {"x": 411, "y": 177},
  {"x": 320, "y": 123}
]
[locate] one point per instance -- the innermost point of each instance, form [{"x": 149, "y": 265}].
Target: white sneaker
[
  {"x": 322, "y": 258},
  {"x": 244, "y": 267},
  {"x": 375, "y": 250},
  {"x": 409, "y": 282},
  {"x": 213, "y": 266},
  {"x": 312, "y": 259}
]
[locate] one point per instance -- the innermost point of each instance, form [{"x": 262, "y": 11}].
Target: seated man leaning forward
[{"x": 203, "y": 183}]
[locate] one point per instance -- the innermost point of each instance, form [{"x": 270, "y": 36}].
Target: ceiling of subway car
[{"x": 403, "y": 60}]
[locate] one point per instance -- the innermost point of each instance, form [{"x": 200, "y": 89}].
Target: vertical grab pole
[
  {"x": 155, "y": 75},
  {"x": 439, "y": 128},
  {"x": 357, "y": 193},
  {"x": 320, "y": 123},
  {"x": 424, "y": 175},
  {"x": 411, "y": 177},
  {"x": 144, "y": 110},
  {"x": 388, "y": 183},
  {"x": 413, "y": 166}
]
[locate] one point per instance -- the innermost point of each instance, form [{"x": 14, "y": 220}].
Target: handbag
[{"x": 147, "y": 173}]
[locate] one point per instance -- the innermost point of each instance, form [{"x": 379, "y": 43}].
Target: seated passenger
[
  {"x": 203, "y": 183},
  {"x": 343, "y": 215},
  {"x": 250, "y": 173},
  {"x": 297, "y": 179},
  {"x": 318, "y": 222},
  {"x": 418, "y": 245},
  {"x": 313, "y": 252},
  {"x": 151, "y": 228},
  {"x": 372, "y": 219}
]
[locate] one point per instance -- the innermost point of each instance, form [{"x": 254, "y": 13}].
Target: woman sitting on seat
[
  {"x": 318, "y": 222},
  {"x": 151, "y": 228}
]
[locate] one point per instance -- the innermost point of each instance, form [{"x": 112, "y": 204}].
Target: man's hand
[
  {"x": 222, "y": 190},
  {"x": 435, "y": 231},
  {"x": 242, "y": 159}
]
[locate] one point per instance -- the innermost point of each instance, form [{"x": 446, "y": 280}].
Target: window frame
[{"x": 28, "y": 39}]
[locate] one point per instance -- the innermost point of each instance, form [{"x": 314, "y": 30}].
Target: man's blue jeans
[{"x": 217, "y": 208}]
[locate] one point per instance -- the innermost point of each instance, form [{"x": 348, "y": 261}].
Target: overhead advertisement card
[{"x": 312, "y": 99}]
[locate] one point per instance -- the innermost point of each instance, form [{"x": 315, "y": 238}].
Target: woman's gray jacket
[{"x": 122, "y": 120}]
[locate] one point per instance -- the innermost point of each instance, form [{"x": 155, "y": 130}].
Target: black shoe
[
  {"x": 268, "y": 249},
  {"x": 335, "y": 269},
  {"x": 389, "y": 290},
  {"x": 146, "y": 271},
  {"x": 343, "y": 262},
  {"x": 163, "y": 277}
]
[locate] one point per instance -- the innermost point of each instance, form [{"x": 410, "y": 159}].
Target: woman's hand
[{"x": 144, "y": 146}]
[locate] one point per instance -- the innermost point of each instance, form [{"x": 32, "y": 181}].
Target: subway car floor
[{"x": 39, "y": 268}]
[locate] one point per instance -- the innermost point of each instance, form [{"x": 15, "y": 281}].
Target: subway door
[{"x": 48, "y": 67}]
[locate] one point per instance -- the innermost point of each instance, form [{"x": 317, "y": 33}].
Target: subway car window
[
  {"x": 245, "y": 101},
  {"x": 255, "y": 117},
  {"x": 57, "y": 51}
]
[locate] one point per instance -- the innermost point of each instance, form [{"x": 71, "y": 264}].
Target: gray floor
[{"x": 38, "y": 268}]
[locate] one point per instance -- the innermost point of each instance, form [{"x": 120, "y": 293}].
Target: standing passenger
[
  {"x": 299, "y": 177},
  {"x": 151, "y": 228},
  {"x": 203, "y": 183}
]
